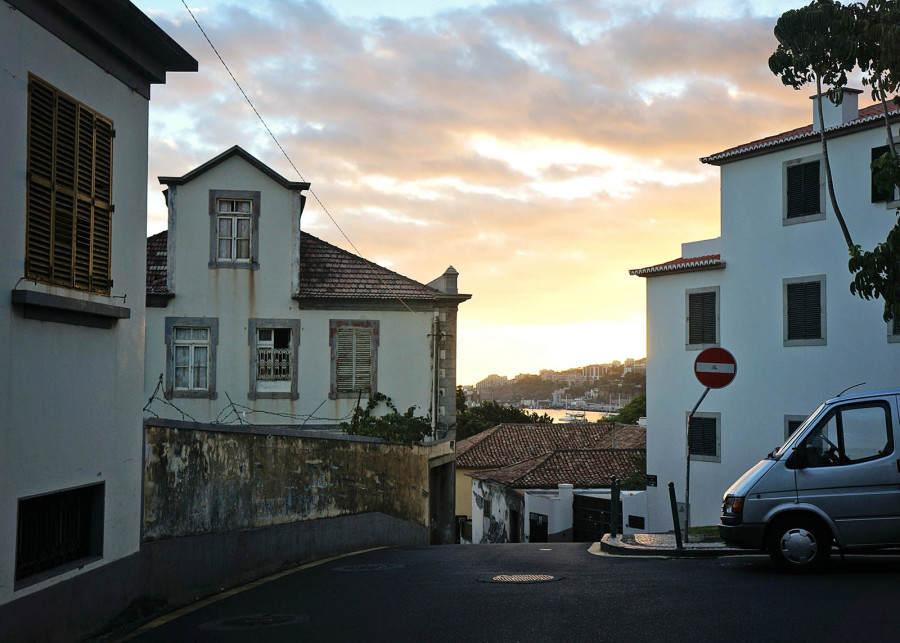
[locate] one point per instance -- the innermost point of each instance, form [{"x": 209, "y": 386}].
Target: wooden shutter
[
  {"x": 69, "y": 191},
  {"x": 702, "y": 318},
  {"x": 353, "y": 370},
  {"x": 804, "y": 302},
  {"x": 803, "y": 190},
  {"x": 703, "y": 436}
]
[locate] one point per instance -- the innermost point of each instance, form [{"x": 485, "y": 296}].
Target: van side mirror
[{"x": 797, "y": 459}]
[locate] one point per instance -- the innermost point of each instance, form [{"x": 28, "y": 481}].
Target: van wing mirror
[{"x": 797, "y": 459}]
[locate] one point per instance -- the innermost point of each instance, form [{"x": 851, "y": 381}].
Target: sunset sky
[{"x": 542, "y": 148}]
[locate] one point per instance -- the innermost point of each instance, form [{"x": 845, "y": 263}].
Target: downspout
[{"x": 435, "y": 358}]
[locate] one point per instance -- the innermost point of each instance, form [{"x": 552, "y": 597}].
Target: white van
[{"x": 836, "y": 480}]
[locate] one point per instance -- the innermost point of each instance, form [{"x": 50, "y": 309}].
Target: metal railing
[{"x": 273, "y": 363}]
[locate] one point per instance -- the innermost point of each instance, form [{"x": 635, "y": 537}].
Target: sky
[{"x": 542, "y": 148}]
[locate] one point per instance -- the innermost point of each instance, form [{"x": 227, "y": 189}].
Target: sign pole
[{"x": 687, "y": 481}]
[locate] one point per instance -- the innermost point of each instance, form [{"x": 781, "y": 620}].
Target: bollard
[
  {"x": 675, "y": 520},
  {"x": 614, "y": 508}
]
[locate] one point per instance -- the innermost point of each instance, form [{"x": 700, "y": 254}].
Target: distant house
[
  {"x": 773, "y": 290},
  {"x": 501, "y": 462},
  {"x": 75, "y": 90},
  {"x": 250, "y": 320}
]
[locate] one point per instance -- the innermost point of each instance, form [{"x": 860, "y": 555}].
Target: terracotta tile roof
[
  {"x": 508, "y": 444},
  {"x": 157, "y": 254},
  {"x": 682, "y": 264},
  {"x": 326, "y": 271},
  {"x": 582, "y": 468},
  {"x": 868, "y": 117}
]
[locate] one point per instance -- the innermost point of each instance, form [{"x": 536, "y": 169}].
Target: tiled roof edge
[{"x": 686, "y": 264}]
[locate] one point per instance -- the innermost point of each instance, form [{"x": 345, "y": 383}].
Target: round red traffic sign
[{"x": 715, "y": 367}]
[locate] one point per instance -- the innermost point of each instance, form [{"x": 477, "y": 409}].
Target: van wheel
[{"x": 799, "y": 544}]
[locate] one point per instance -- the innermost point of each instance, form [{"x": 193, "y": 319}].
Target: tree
[
  {"x": 816, "y": 44},
  {"x": 480, "y": 418},
  {"x": 633, "y": 411},
  {"x": 393, "y": 426}
]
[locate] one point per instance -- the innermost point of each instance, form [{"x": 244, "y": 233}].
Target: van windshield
[{"x": 787, "y": 446}]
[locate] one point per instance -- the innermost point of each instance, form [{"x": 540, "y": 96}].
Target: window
[
  {"x": 893, "y": 328},
  {"x": 354, "y": 357},
  {"x": 878, "y": 194},
  {"x": 486, "y": 516},
  {"x": 850, "y": 434},
  {"x": 69, "y": 201},
  {"x": 702, "y": 318},
  {"x": 55, "y": 530},
  {"x": 274, "y": 347},
  {"x": 804, "y": 311},
  {"x": 792, "y": 423},
  {"x": 705, "y": 441},
  {"x": 803, "y": 191},
  {"x": 234, "y": 229},
  {"x": 191, "y": 344}
]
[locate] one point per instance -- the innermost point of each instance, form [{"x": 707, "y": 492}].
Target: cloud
[{"x": 542, "y": 148}]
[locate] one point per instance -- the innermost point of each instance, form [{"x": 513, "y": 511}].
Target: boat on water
[{"x": 573, "y": 416}]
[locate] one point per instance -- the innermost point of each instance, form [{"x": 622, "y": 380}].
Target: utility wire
[{"x": 289, "y": 160}]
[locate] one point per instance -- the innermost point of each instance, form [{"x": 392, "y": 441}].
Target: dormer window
[{"x": 234, "y": 229}]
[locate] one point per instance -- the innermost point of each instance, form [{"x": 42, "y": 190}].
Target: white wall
[
  {"x": 237, "y": 295},
  {"x": 772, "y": 380},
  {"x": 70, "y": 396}
]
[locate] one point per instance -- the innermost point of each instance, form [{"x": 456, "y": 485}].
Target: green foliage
[
  {"x": 475, "y": 419},
  {"x": 877, "y": 273},
  {"x": 637, "y": 479},
  {"x": 631, "y": 412},
  {"x": 393, "y": 426}
]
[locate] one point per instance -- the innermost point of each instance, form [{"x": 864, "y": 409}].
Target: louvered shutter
[
  {"x": 353, "y": 369},
  {"x": 69, "y": 192},
  {"x": 703, "y": 438},
  {"x": 804, "y": 301},
  {"x": 803, "y": 190},
  {"x": 702, "y": 318},
  {"x": 877, "y": 193}
]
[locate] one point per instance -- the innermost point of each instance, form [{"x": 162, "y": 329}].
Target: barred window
[
  {"x": 69, "y": 203},
  {"x": 273, "y": 354},
  {"x": 354, "y": 346}
]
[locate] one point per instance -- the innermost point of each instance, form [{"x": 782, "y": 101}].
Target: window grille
[{"x": 273, "y": 354}]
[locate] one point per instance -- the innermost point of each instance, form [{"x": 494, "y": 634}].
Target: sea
[{"x": 557, "y": 414}]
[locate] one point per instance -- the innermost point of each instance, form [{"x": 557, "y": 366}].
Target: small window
[
  {"x": 878, "y": 194},
  {"x": 56, "y": 530},
  {"x": 850, "y": 434},
  {"x": 354, "y": 358},
  {"x": 486, "y": 515},
  {"x": 234, "y": 229},
  {"x": 893, "y": 331},
  {"x": 804, "y": 311},
  {"x": 702, "y": 318},
  {"x": 69, "y": 192},
  {"x": 705, "y": 442},
  {"x": 803, "y": 190},
  {"x": 191, "y": 344},
  {"x": 792, "y": 423},
  {"x": 274, "y": 347}
]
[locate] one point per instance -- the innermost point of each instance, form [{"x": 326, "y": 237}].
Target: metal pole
[
  {"x": 687, "y": 481},
  {"x": 614, "y": 508},
  {"x": 675, "y": 515}
]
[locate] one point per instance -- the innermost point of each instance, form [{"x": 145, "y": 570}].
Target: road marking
[{"x": 193, "y": 607}]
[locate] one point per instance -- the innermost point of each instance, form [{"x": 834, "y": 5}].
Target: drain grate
[
  {"x": 253, "y": 622},
  {"x": 520, "y": 578},
  {"x": 372, "y": 567}
]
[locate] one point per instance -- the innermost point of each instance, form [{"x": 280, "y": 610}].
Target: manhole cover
[
  {"x": 372, "y": 567},
  {"x": 519, "y": 578},
  {"x": 253, "y": 622}
]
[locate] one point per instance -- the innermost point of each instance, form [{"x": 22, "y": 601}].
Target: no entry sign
[{"x": 715, "y": 367}]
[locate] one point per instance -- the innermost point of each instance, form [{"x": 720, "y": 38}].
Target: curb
[{"x": 628, "y": 546}]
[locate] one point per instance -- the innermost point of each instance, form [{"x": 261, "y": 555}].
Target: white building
[
  {"x": 250, "y": 320},
  {"x": 75, "y": 89},
  {"x": 774, "y": 291}
]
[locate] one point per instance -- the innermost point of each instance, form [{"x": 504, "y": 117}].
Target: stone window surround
[
  {"x": 253, "y": 326},
  {"x": 212, "y": 323}
]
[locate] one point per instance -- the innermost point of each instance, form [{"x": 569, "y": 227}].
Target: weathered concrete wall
[
  {"x": 496, "y": 526},
  {"x": 204, "y": 479}
]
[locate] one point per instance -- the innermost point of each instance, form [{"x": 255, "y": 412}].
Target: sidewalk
[{"x": 664, "y": 545}]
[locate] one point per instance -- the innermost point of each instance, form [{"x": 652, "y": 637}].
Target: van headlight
[{"x": 733, "y": 505}]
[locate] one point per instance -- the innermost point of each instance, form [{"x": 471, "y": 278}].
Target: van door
[{"x": 847, "y": 466}]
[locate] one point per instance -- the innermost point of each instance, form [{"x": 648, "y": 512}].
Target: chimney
[
  {"x": 836, "y": 115},
  {"x": 446, "y": 283}
]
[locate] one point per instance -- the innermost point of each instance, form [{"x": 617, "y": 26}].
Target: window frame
[
  {"x": 254, "y": 197},
  {"x": 786, "y": 217},
  {"x": 893, "y": 331},
  {"x": 254, "y": 325},
  {"x": 702, "y": 457},
  {"x": 212, "y": 325},
  {"x": 69, "y": 206},
  {"x": 837, "y": 414},
  {"x": 822, "y": 340},
  {"x": 687, "y": 314},
  {"x": 334, "y": 328}
]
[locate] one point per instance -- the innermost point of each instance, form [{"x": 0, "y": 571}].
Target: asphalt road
[{"x": 452, "y": 593}]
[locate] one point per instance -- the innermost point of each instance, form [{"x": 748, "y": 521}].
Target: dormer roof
[{"x": 231, "y": 152}]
